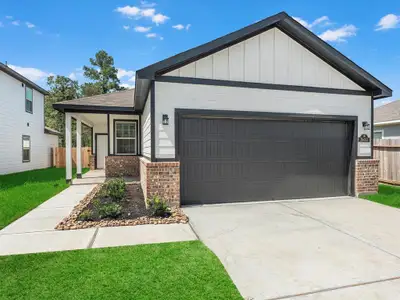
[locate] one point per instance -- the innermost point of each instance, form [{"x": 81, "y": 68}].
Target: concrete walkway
[{"x": 35, "y": 231}]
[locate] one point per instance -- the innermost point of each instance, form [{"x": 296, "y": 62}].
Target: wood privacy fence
[
  {"x": 59, "y": 157},
  {"x": 388, "y": 153}
]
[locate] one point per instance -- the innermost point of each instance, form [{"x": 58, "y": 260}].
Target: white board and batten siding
[
  {"x": 146, "y": 128},
  {"x": 271, "y": 57},
  {"x": 16, "y": 122}
]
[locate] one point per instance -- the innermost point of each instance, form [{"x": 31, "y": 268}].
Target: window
[
  {"x": 26, "y": 148},
  {"x": 378, "y": 135},
  {"x": 125, "y": 137},
  {"x": 28, "y": 99}
]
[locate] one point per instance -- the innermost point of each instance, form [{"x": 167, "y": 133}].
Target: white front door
[{"x": 101, "y": 151}]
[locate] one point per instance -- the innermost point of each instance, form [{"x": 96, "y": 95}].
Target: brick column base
[
  {"x": 92, "y": 162},
  {"x": 118, "y": 166},
  {"x": 162, "y": 179},
  {"x": 367, "y": 176}
]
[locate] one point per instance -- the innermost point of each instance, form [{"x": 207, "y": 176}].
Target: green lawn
[
  {"x": 22, "y": 192},
  {"x": 388, "y": 195},
  {"x": 185, "y": 270}
]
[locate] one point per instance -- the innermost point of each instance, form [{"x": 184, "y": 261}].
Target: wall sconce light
[
  {"x": 366, "y": 125},
  {"x": 165, "y": 119}
]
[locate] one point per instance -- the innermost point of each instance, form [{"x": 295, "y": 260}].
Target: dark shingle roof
[
  {"x": 387, "y": 112},
  {"x": 6, "y": 69},
  {"x": 117, "y": 101}
]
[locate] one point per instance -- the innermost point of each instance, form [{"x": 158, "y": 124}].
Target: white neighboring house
[
  {"x": 25, "y": 142},
  {"x": 387, "y": 121}
]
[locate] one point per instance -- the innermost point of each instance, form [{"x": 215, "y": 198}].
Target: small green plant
[
  {"x": 86, "y": 215},
  {"x": 116, "y": 189},
  {"x": 96, "y": 203},
  {"x": 158, "y": 207},
  {"x": 112, "y": 210}
]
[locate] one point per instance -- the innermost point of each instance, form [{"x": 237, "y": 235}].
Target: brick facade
[
  {"x": 92, "y": 162},
  {"x": 117, "y": 166},
  {"x": 367, "y": 176},
  {"x": 162, "y": 179}
]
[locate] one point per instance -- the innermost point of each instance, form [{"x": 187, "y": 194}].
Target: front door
[{"x": 101, "y": 151}]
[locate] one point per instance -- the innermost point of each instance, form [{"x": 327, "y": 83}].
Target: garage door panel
[{"x": 232, "y": 160}]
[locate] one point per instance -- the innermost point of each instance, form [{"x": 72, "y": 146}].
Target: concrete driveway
[{"x": 341, "y": 248}]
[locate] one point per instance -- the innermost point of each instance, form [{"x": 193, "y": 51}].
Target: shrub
[
  {"x": 86, "y": 215},
  {"x": 158, "y": 207},
  {"x": 112, "y": 210},
  {"x": 116, "y": 189}
]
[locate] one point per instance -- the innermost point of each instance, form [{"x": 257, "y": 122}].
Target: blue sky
[{"x": 46, "y": 37}]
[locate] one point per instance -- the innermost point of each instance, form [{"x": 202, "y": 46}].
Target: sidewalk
[{"x": 35, "y": 231}]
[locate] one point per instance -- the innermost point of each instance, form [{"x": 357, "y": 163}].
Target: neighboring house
[
  {"x": 25, "y": 142},
  {"x": 387, "y": 121},
  {"x": 267, "y": 112}
]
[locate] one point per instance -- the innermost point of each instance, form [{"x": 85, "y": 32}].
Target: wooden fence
[
  {"x": 388, "y": 153},
  {"x": 59, "y": 157}
]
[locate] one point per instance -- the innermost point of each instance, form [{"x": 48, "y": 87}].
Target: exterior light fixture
[
  {"x": 366, "y": 125},
  {"x": 165, "y": 119}
]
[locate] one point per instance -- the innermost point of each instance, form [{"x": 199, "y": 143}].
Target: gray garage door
[{"x": 236, "y": 160}]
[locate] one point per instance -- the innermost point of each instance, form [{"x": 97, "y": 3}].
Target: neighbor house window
[
  {"x": 28, "y": 99},
  {"x": 26, "y": 148},
  {"x": 378, "y": 135},
  {"x": 125, "y": 137}
]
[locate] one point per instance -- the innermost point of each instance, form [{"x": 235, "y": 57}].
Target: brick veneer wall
[
  {"x": 367, "y": 176},
  {"x": 92, "y": 162},
  {"x": 117, "y": 166},
  {"x": 162, "y": 179}
]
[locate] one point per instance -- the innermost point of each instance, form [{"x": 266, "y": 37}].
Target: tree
[
  {"x": 91, "y": 89},
  {"x": 103, "y": 74},
  {"x": 61, "y": 88}
]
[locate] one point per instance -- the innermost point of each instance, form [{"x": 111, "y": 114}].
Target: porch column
[
  {"x": 78, "y": 148},
  {"x": 68, "y": 144}
]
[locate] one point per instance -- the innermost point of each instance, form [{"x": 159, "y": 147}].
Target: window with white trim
[
  {"x": 28, "y": 100},
  {"x": 26, "y": 148},
  {"x": 125, "y": 137}
]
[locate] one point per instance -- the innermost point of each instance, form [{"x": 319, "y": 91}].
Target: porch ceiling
[{"x": 91, "y": 119}]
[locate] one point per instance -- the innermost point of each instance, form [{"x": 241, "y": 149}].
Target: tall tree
[{"x": 103, "y": 74}]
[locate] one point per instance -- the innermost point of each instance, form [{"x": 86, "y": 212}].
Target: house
[
  {"x": 25, "y": 141},
  {"x": 264, "y": 113},
  {"x": 387, "y": 121}
]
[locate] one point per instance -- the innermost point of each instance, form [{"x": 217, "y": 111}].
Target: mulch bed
[{"x": 134, "y": 212}]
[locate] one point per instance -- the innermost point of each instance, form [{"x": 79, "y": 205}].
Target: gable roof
[
  {"x": 387, "y": 113},
  {"x": 113, "y": 102},
  {"x": 6, "y": 69},
  {"x": 286, "y": 24}
]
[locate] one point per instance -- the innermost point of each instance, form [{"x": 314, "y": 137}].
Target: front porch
[{"x": 115, "y": 139}]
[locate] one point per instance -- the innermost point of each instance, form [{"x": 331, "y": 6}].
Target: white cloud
[
  {"x": 124, "y": 73},
  {"x": 15, "y": 23},
  {"x": 178, "y": 26},
  {"x": 127, "y": 85},
  {"x": 148, "y": 12},
  {"x": 29, "y": 25},
  {"x": 129, "y": 11},
  {"x": 151, "y": 35},
  {"x": 72, "y": 76},
  {"x": 159, "y": 19},
  {"x": 142, "y": 29},
  {"x": 388, "y": 22},
  {"x": 31, "y": 73},
  {"x": 340, "y": 34},
  {"x": 188, "y": 26},
  {"x": 133, "y": 78},
  {"x": 125, "y": 27},
  {"x": 147, "y": 4},
  {"x": 324, "y": 20},
  {"x": 9, "y": 17},
  {"x": 161, "y": 38}
]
